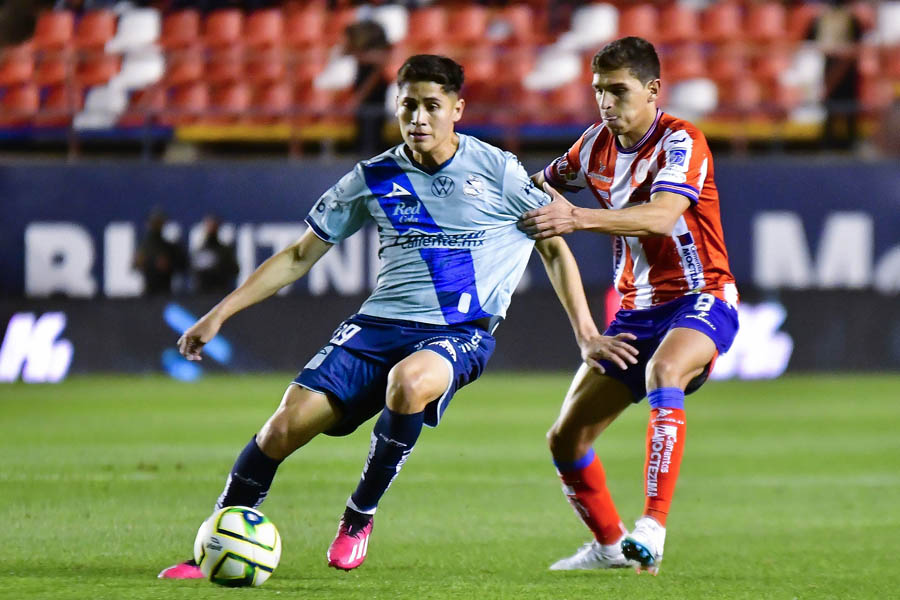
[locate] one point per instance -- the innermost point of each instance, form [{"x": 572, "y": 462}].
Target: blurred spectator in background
[
  {"x": 157, "y": 258},
  {"x": 366, "y": 41},
  {"x": 837, "y": 31},
  {"x": 214, "y": 266}
]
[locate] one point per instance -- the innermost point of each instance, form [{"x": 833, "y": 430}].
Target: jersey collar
[{"x": 404, "y": 150}]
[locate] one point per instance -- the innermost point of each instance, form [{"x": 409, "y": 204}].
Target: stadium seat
[
  {"x": 19, "y": 104},
  {"x": 225, "y": 64},
  {"x": 515, "y": 63},
  {"x": 59, "y": 104},
  {"x": 692, "y": 99},
  {"x": 305, "y": 27},
  {"x": 393, "y": 18},
  {"x": 186, "y": 103},
  {"x": 426, "y": 25},
  {"x": 800, "y": 18},
  {"x": 554, "y": 68},
  {"x": 272, "y": 102},
  {"x": 728, "y": 61},
  {"x": 53, "y": 68},
  {"x": 94, "y": 29},
  {"x": 180, "y": 29},
  {"x": 223, "y": 27},
  {"x": 641, "y": 20},
  {"x": 890, "y": 62},
  {"x": 571, "y": 103},
  {"x": 467, "y": 24},
  {"x": 721, "y": 22},
  {"x": 678, "y": 23},
  {"x": 480, "y": 63},
  {"x": 683, "y": 61},
  {"x": 741, "y": 97},
  {"x": 184, "y": 65},
  {"x": 138, "y": 28},
  {"x": 592, "y": 26},
  {"x": 144, "y": 107},
  {"x": 265, "y": 64},
  {"x": 95, "y": 68},
  {"x": 513, "y": 24},
  {"x": 771, "y": 61},
  {"x": 228, "y": 103},
  {"x": 888, "y": 21},
  {"x": 16, "y": 65},
  {"x": 875, "y": 95},
  {"x": 264, "y": 28},
  {"x": 54, "y": 29},
  {"x": 766, "y": 22},
  {"x": 306, "y": 64},
  {"x": 336, "y": 22}
]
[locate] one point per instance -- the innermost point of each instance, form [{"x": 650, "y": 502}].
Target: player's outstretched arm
[
  {"x": 656, "y": 217},
  {"x": 281, "y": 269},
  {"x": 566, "y": 279}
]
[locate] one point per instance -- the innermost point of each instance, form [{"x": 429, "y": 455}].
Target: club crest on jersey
[
  {"x": 442, "y": 186},
  {"x": 641, "y": 170},
  {"x": 474, "y": 186},
  {"x": 676, "y": 157}
]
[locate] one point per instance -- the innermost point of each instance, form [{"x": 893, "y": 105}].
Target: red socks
[
  {"x": 665, "y": 446},
  {"x": 584, "y": 484}
]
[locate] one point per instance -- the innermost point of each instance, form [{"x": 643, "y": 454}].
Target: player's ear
[
  {"x": 653, "y": 87},
  {"x": 458, "y": 109}
]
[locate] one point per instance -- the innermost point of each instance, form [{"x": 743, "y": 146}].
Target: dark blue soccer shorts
[
  {"x": 703, "y": 312},
  {"x": 353, "y": 367}
]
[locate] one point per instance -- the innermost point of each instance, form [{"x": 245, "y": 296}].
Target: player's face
[
  {"x": 426, "y": 114},
  {"x": 628, "y": 107}
]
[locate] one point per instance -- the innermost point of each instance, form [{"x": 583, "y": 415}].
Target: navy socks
[{"x": 250, "y": 478}]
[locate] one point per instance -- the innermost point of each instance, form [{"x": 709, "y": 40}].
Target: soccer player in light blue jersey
[{"x": 446, "y": 207}]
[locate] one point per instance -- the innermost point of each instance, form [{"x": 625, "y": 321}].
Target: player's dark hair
[
  {"x": 632, "y": 53},
  {"x": 429, "y": 67}
]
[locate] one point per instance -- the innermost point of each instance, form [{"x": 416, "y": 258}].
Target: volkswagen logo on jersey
[{"x": 442, "y": 186}]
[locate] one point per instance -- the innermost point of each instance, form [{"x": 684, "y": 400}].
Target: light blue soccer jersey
[{"x": 448, "y": 243}]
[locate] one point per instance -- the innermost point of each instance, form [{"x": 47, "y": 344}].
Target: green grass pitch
[{"x": 789, "y": 489}]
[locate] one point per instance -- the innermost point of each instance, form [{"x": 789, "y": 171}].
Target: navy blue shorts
[
  {"x": 353, "y": 367},
  {"x": 707, "y": 314}
]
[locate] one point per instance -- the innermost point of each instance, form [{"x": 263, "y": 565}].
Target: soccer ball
[{"x": 237, "y": 546}]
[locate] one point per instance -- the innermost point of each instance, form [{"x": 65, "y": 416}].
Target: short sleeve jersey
[
  {"x": 449, "y": 248},
  {"x": 673, "y": 156}
]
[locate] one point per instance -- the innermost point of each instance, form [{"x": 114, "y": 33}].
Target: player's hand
[
  {"x": 191, "y": 343},
  {"x": 556, "y": 218},
  {"x": 615, "y": 349}
]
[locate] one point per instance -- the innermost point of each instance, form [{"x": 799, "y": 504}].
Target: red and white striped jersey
[{"x": 673, "y": 156}]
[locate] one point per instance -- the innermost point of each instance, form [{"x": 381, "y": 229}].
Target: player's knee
[
  {"x": 406, "y": 389},
  {"x": 663, "y": 372},
  {"x": 274, "y": 438},
  {"x": 566, "y": 444}
]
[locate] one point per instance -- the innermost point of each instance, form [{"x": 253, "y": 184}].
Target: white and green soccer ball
[{"x": 237, "y": 546}]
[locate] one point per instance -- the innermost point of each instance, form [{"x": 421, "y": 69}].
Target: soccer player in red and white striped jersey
[{"x": 652, "y": 176}]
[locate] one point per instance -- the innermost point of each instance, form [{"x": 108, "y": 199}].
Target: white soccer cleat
[
  {"x": 593, "y": 555},
  {"x": 645, "y": 545}
]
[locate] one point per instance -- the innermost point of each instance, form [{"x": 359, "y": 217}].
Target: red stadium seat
[
  {"x": 679, "y": 23},
  {"x": 264, "y": 28},
  {"x": 185, "y": 104},
  {"x": 427, "y": 25},
  {"x": 306, "y": 64},
  {"x": 515, "y": 63},
  {"x": 225, "y": 64},
  {"x": 722, "y": 22},
  {"x": 467, "y": 24},
  {"x": 800, "y": 18},
  {"x": 479, "y": 62},
  {"x": 144, "y": 107},
  {"x": 728, "y": 61},
  {"x": 54, "y": 29},
  {"x": 519, "y": 19},
  {"x": 95, "y": 29},
  {"x": 336, "y": 22},
  {"x": 683, "y": 61},
  {"x": 766, "y": 22},
  {"x": 19, "y": 104},
  {"x": 223, "y": 27},
  {"x": 96, "y": 68},
  {"x": 16, "y": 65},
  {"x": 875, "y": 95},
  {"x": 265, "y": 64},
  {"x": 572, "y": 102},
  {"x": 272, "y": 102},
  {"x": 59, "y": 105},
  {"x": 890, "y": 61},
  {"x": 53, "y": 68},
  {"x": 229, "y": 103},
  {"x": 184, "y": 65},
  {"x": 771, "y": 61},
  {"x": 305, "y": 27},
  {"x": 641, "y": 20},
  {"x": 180, "y": 29},
  {"x": 740, "y": 97}
]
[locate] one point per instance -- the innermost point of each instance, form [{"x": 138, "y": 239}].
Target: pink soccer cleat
[
  {"x": 185, "y": 570},
  {"x": 348, "y": 550}
]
